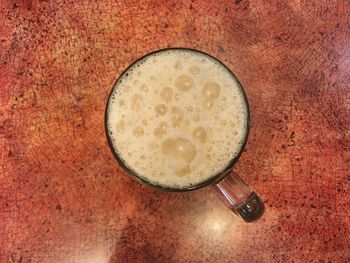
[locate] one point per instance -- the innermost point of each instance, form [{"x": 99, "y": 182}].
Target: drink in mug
[{"x": 177, "y": 119}]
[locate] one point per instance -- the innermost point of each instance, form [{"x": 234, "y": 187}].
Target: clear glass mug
[{"x": 229, "y": 186}]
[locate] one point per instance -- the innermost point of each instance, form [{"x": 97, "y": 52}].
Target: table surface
[{"x": 63, "y": 198}]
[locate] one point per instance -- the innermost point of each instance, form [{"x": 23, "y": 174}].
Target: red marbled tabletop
[{"x": 63, "y": 197}]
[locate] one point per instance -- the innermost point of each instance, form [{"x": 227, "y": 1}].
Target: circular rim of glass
[{"x": 212, "y": 180}]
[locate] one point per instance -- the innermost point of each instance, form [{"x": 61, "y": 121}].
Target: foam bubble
[
  {"x": 178, "y": 65},
  {"x": 161, "y": 109},
  {"x": 211, "y": 90},
  {"x": 120, "y": 126},
  {"x": 184, "y": 83},
  {"x": 177, "y": 116},
  {"x": 196, "y": 118},
  {"x": 179, "y": 148},
  {"x": 183, "y": 171},
  {"x": 138, "y": 132},
  {"x": 144, "y": 88},
  {"x": 200, "y": 135},
  {"x": 160, "y": 130},
  {"x": 122, "y": 103},
  {"x": 166, "y": 94},
  {"x": 194, "y": 70},
  {"x": 136, "y": 101},
  {"x": 208, "y": 104}
]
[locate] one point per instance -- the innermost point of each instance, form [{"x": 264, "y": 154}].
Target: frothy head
[{"x": 177, "y": 118}]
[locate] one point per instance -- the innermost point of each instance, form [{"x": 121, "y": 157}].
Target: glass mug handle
[{"x": 239, "y": 197}]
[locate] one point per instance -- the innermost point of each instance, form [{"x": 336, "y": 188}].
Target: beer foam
[{"x": 177, "y": 117}]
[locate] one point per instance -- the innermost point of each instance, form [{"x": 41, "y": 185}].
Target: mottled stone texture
[{"x": 63, "y": 198}]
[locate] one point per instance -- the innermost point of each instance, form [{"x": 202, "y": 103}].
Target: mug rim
[{"x": 213, "y": 179}]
